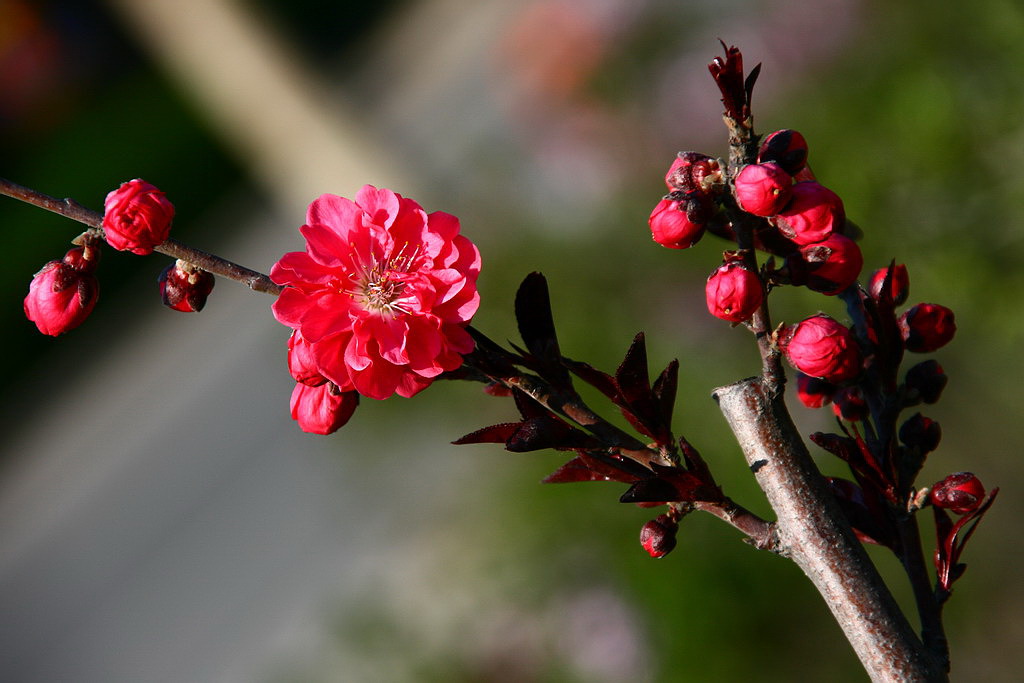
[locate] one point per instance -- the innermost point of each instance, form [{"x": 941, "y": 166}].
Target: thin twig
[{"x": 69, "y": 208}]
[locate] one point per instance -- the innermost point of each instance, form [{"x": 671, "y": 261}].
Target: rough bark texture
[{"x": 813, "y": 533}]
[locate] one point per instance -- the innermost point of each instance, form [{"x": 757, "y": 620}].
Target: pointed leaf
[
  {"x": 498, "y": 433},
  {"x": 650, "y": 491},
  {"x": 664, "y": 390},
  {"x": 537, "y": 328},
  {"x": 585, "y": 467}
]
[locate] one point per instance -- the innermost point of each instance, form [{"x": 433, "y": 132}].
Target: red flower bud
[
  {"x": 921, "y": 432},
  {"x": 658, "y": 536},
  {"x": 137, "y": 217},
  {"x": 813, "y": 392},
  {"x": 763, "y": 189},
  {"x": 928, "y": 379},
  {"x": 63, "y": 293},
  {"x": 960, "y": 493},
  {"x": 832, "y": 265},
  {"x": 814, "y": 212},
  {"x": 323, "y": 409},
  {"x": 787, "y": 148},
  {"x": 733, "y": 292},
  {"x": 899, "y": 284},
  {"x": 676, "y": 224},
  {"x": 301, "y": 362},
  {"x": 848, "y": 404},
  {"x": 927, "y": 327},
  {"x": 185, "y": 287},
  {"x": 693, "y": 172},
  {"x": 821, "y": 347}
]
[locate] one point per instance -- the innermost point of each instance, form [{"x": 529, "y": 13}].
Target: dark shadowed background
[{"x": 162, "y": 518}]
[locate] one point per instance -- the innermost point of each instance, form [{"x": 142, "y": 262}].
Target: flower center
[{"x": 378, "y": 285}]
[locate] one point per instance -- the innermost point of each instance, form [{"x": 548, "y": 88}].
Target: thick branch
[
  {"x": 69, "y": 208},
  {"x": 813, "y": 533}
]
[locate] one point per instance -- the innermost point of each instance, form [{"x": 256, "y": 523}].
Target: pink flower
[
  {"x": 63, "y": 293},
  {"x": 137, "y": 217},
  {"x": 322, "y": 409},
  {"x": 821, "y": 347},
  {"x": 382, "y": 294}
]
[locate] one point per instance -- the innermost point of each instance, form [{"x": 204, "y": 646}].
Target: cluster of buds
[
  {"x": 695, "y": 182},
  {"x": 136, "y": 218}
]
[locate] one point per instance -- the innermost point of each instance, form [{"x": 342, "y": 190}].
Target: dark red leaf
[
  {"x": 498, "y": 433},
  {"x": 537, "y": 328}
]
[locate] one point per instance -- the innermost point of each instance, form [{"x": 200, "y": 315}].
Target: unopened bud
[
  {"x": 733, "y": 292},
  {"x": 322, "y": 409},
  {"x": 820, "y": 346},
  {"x": 658, "y": 536},
  {"x": 814, "y": 212},
  {"x": 921, "y": 432},
  {"x": 762, "y": 189},
  {"x": 63, "y": 293},
  {"x": 960, "y": 493},
  {"x": 831, "y": 265},
  {"x": 899, "y": 284},
  {"x": 787, "y": 148},
  {"x": 185, "y": 287},
  {"x": 137, "y": 217},
  {"x": 928, "y": 379},
  {"x": 694, "y": 172},
  {"x": 927, "y": 327},
  {"x": 677, "y": 224}
]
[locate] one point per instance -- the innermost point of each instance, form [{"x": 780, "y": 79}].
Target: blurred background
[{"x": 162, "y": 518}]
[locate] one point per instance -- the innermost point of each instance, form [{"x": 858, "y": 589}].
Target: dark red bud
[
  {"x": 921, "y": 433},
  {"x": 927, "y": 327},
  {"x": 658, "y": 536},
  {"x": 787, "y": 148},
  {"x": 849, "y": 404},
  {"x": 960, "y": 493},
  {"x": 928, "y": 379},
  {"x": 694, "y": 172},
  {"x": 899, "y": 284},
  {"x": 185, "y": 287},
  {"x": 812, "y": 391}
]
